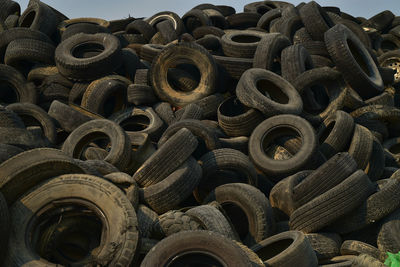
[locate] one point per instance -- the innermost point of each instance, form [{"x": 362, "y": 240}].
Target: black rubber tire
[
  {"x": 120, "y": 151},
  {"x": 334, "y": 133},
  {"x": 10, "y": 119},
  {"x": 325, "y": 245},
  {"x": 316, "y": 20},
  {"x": 179, "y": 26},
  {"x": 94, "y": 153},
  {"x": 242, "y": 21},
  {"x": 211, "y": 219},
  {"x": 224, "y": 159},
  {"x": 76, "y": 67},
  {"x": 206, "y": 243},
  {"x": 269, "y": 127},
  {"x": 83, "y": 27},
  {"x": 8, "y": 151},
  {"x": 247, "y": 208},
  {"x": 20, "y": 173},
  {"x": 388, "y": 238},
  {"x": 32, "y": 114},
  {"x": 190, "y": 112},
  {"x": 140, "y": 120},
  {"x": 4, "y": 227},
  {"x": 106, "y": 97},
  {"x": 67, "y": 118},
  {"x": 295, "y": 60},
  {"x": 265, "y": 21},
  {"x": 289, "y": 249},
  {"x": 237, "y": 120},
  {"x": 167, "y": 158},
  {"x": 268, "y": 93},
  {"x": 173, "y": 222},
  {"x": 361, "y": 146},
  {"x": 164, "y": 111},
  {"x": 197, "y": 56},
  {"x": 8, "y": 8},
  {"x": 173, "y": 189},
  {"x": 198, "y": 128},
  {"x": 234, "y": 67},
  {"x": 149, "y": 51},
  {"x": 142, "y": 27},
  {"x": 242, "y": 44},
  {"x": 119, "y": 216},
  {"x": 76, "y": 93},
  {"x": 268, "y": 52},
  {"x": 147, "y": 218},
  {"x": 15, "y": 81},
  {"x": 326, "y": 208},
  {"x": 353, "y": 60},
  {"x": 366, "y": 260},
  {"x": 39, "y": 16},
  {"x": 127, "y": 184},
  {"x": 202, "y": 31},
  {"x": 210, "y": 105},
  {"x": 376, "y": 162},
  {"x": 323, "y": 179},
  {"x": 141, "y": 94},
  {"x": 320, "y": 61},
  {"x": 354, "y": 247}
]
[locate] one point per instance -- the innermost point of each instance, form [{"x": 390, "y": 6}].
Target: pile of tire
[{"x": 268, "y": 137}]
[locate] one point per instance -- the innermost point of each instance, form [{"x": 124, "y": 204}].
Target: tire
[
  {"x": 147, "y": 218},
  {"x": 354, "y": 247},
  {"x": 10, "y": 119},
  {"x": 282, "y": 97},
  {"x": 106, "y": 97},
  {"x": 242, "y": 21},
  {"x": 237, "y": 120},
  {"x": 354, "y": 61},
  {"x": 268, "y": 128},
  {"x": 361, "y": 146},
  {"x": 182, "y": 80},
  {"x": 65, "y": 24},
  {"x": 18, "y": 90},
  {"x": 83, "y": 27},
  {"x": 323, "y": 179},
  {"x": 70, "y": 61},
  {"x": 149, "y": 51},
  {"x": 320, "y": 61},
  {"x": 140, "y": 120},
  {"x": 20, "y": 173},
  {"x": 141, "y": 94},
  {"x": 197, "y": 128},
  {"x": 142, "y": 27},
  {"x": 197, "y": 56},
  {"x": 366, "y": 260},
  {"x": 376, "y": 162},
  {"x": 281, "y": 195},
  {"x": 224, "y": 159},
  {"x": 179, "y": 26},
  {"x": 290, "y": 248},
  {"x": 326, "y": 208},
  {"x": 100, "y": 166},
  {"x": 67, "y": 118},
  {"x": 4, "y": 227},
  {"x": 202, "y": 31},
  {"x": 94, "y": 153},
  {"x": 207, "y": 245},
  {"x": 388, "y": 238},
  {"x": 325, "y": 245},
  {"x": 175, "y": 221},
  {"x": 191, "y": 112},
  {"x": 247, "y": 208},
  {"x": 122, "y": 228},
  {"x": 335, "y": 132},
  {"x": 8, "y": 8},
  {"x": 268, "y": 52},
  {"x": 164, "y": 111},
  {"x": 242, "y": 44},
  {"x": 127, "y": 184},
  {"x": 8, "y": 151},
  {"x": 316, "y": 20},
  {"x": 210, "y": 105},
  {"x": 167, "y": 158},
  {"x": 39, "y": 16},
  {"x": 175, "y": 188},
  {"x": 120, "y": 151},
  {"x": 76, "y": 93},
  {"x": 31, "y": 114},
  {"x": 211, "y": 219},
  {"x": 295, "y": 60},
  {"x": 234, "y": 67},
  {"x": 141, "y": 77}
]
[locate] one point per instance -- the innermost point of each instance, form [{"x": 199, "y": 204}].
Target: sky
[{"x": 118, "y": 9}]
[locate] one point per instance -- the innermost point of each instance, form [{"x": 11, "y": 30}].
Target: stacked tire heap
[{"x": 269, "y": 137}]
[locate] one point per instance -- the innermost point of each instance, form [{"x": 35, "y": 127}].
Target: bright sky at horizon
[{"x": 118, "y": 9}]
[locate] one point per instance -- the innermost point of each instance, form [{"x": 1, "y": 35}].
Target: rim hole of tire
[
  {"x": 232, "y": 107},
  {"x": 87, "y": 50},
  {"x": 8, "y": 94},
  {"x": 196, "y": 259},
  {"x": 395, "y": 149},
  {"x": 135, "y": 123},
  {"x": 315, "y": 100},
  {"x": 68, "y": 234},
  {"x": 359, "y": 57},
  {"x": 114, "y": 102},
  {"x": 28, "y": 20},
  {"x": 270, "y": 90},
  {"x": 326, "y": 132},
  {"x": 245, "y": 38},
  {"x": 184, "y": 77},
  {"x": 273, "y": 249},
  {"x": 238, "y": 218},
  {"x": 279, "y": 137}
]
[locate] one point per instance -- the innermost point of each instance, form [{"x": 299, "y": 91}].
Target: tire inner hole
[
  {"x": 87, "y": 50},
  {"x": 196, "y": 259},
  {"x": 28, "y": 20},
  {"x": 360, "y": 57},
  {"x": 273, "y": 249},
  {"x": 184, "y": 77},
  {"x": 8, "y": 93},
  {"x": 245, "y": 38},
  {"x": 238, "y": 218},
  {"x": 135, "y": 123},
  {"x": 272, "y": 91},
  {"x": 281, "y": 143},
  {"x": 395, "y": 149}
]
